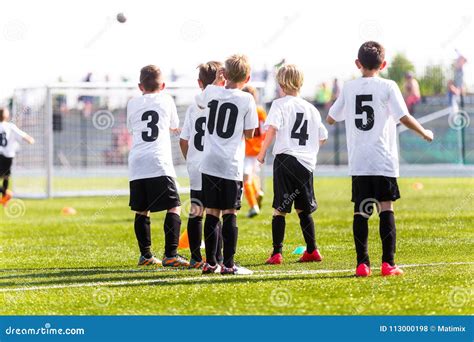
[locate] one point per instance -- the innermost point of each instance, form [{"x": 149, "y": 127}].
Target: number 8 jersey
[
  {"x": 299, "y": 129},
  {"x": 150, "y": 118},
  {"x": 371, "y": 108},
  {"x": 228, "y": 113}
]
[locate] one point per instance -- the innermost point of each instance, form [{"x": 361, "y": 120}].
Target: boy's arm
[
  {"x": 251, "y": 121},
  {"x": 410, "y": 122},
  {"x": 29, "y": 139},
  {"x": 184, "y": 146},
  {"x": 335, "y": 113},
  {"x": 269, "y": 136},
  {"x": 323, "y": 135},
  {"x": 248, "y": 133}
]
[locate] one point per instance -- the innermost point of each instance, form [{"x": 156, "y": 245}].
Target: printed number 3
[
  {"x": 361, "y": 109},
  {"x": 152, "y": 134}
]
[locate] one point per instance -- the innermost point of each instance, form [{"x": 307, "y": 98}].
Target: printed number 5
[
  {"x": 361, "y": 109},
  {"x": 152, "y": 134}
]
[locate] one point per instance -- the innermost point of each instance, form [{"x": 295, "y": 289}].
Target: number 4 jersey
[
  {"x": 150, "y": 118},
  {"x": 228, "y": 113},
  {"x": 371, "y": 108},
  {"x": 299, "y": 129}
]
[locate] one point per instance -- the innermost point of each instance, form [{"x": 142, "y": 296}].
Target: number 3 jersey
[
  {"x": 193, "y": 131},
  {"x": 10, "y": 136},
  {"x": 299, "y": 129},
  {"x": 228, "y": 113},
  {"x": 371, "y": 108},
  {"x": 150, "y": 118}
]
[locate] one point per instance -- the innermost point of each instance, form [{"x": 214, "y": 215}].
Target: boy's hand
[
  {"x": 220, "y": 79},
  {"x": 261, "y": 158},
  {"x": 428, "y": 135},
  {"x": 175, "y": 131}
]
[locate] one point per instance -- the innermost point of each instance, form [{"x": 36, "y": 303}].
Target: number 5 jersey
[
  {"x": 150, "y": 118},
  {"x": 299, "y": 129},
  {"x": 371, "y": 108},
  {"x": 228, "y": 113}
]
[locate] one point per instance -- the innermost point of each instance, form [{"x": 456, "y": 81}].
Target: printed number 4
[
  {"x": 360, "y": 110},
  {"x": 302, "y": 135}
]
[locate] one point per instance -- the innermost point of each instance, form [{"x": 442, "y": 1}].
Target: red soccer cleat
[
  {"x": 307, "y": 257},
  {"x": 276, "y": 259},
  {"x": 388, "y": 270},
  {"x": 363, "y": 270},
  {"x": 7, "y": 197}
]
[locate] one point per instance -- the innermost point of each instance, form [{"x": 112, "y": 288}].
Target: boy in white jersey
[
  {"x": 10, "y": 136},
  {"x": 371, "y": 108},
  {"x": 192, "y": 147},
  {"x": 231, "y": 115},
  {"x": 299, "y": 132},
  {"x": 150, "y": 118}
]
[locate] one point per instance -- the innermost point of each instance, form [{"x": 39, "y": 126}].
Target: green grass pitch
[{"x": 85, "y": 264}]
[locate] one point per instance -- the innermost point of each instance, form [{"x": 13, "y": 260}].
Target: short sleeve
[
  {"x": 396, "y": 103},
  {"x": 174, "y": 119},
  {"x": 186, "y": 131},
  {"x": 251, "y": 119},
  {"x": 274, "y": 117},
  {"x": 337, "y": 109},
  {"x": 19, "y": 134},
  {"x": 323, "y": 132},
  {"x": 129, "y": 124}
]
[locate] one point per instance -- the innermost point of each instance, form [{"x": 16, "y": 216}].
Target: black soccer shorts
[
  {"x": 221, "y": 193},
  {"x": 368, "y": 190},
  {"x": 154, "y": 194},
  {"x": 292, "y": 183},
  {"x": 5, "y": 166}
]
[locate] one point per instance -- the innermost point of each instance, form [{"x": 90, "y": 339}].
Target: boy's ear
[
  {"x": 200, "y": 84},
  {"x": 357, "y": 63},
  {"x": 141, "y": 87},
  {"x": 247, "y": 79},
  {"x": 162, "y": 86},
  {"x": 383, "y": 65}
]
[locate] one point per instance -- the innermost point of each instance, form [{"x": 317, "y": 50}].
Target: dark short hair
[
  {"x": 208, "y": 71},
  {"x": 371, "y": 55},
  {"x": 2, "y": 111},
  {"x": 150, "y": 77}
]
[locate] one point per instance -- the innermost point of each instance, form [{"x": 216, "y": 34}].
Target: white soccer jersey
[
  {"x": 371, "y": 108},
  {"x": 299, "y": 129},
  {"x": 228, "y": 113},
  {"x": 10, "y": 137},
  {"x": 150, "y": 118},
  {"x": 193, "y": 131}
]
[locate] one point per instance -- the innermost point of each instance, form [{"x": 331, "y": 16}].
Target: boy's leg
[
  {"x": 195, "y": 231},
  {"x": 388, "y": 232},
  {"x": 211, "y": 234},
  {"x": 363, "y": 197},
  {"x": 5, "y": 183},
  {"x": 278, "y": 231},
  {"x": 229, "y": 236},
  {"x": 172, "y": 228},
  {"x": 219, "y": 256},
  {"x": 142, "y": 227},
  {"x": 307, "y": 227},
  {"x": 360, "y": 228}
]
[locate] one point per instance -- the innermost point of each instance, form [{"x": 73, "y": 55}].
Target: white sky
[{"x": 41, "y": 40}]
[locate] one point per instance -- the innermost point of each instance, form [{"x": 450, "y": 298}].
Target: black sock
[
  {"x": 195, "y": 237},
  {"x": 360, "y": 228},
  {"x": 143, "y": 234},
  {"x": 172, "y": 229},
  {"x": 5, "y": 186},
  {"x": 219, "y": 256},
  {"x": 230, "y": 234},
  {"x": 211, "y": 236},
  {"x": 388, "y": 234},
  {"x": 278, "y": 233},
  {"x": 307, "y": 227}
]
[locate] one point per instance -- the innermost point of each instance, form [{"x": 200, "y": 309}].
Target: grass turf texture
[{"x": 91, "y": 258}]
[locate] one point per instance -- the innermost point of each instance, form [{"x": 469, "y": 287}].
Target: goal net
[{"x": 82, "y": 141}]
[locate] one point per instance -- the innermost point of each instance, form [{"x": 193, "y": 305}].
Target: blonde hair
[
  {"x": 237, "y": 68},
  {"x": 289, "y": 77}
]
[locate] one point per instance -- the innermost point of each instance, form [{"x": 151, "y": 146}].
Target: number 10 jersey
[
  {"x": 371, "y": 108},
  {"x": 228, "y": 113},
  {"x": 150, "y": 118}
]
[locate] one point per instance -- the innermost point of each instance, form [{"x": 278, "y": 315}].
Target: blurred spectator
[
  {"x": 336, "y": 90},
  {"x": 411, "y": 91},
  {"x": 459, "y": 75},
  {"x": 453, "y": 95},
  {"x": 323, "y": 96}
]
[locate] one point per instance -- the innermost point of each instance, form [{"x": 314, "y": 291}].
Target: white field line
[{"x": 257, "y": 275}]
